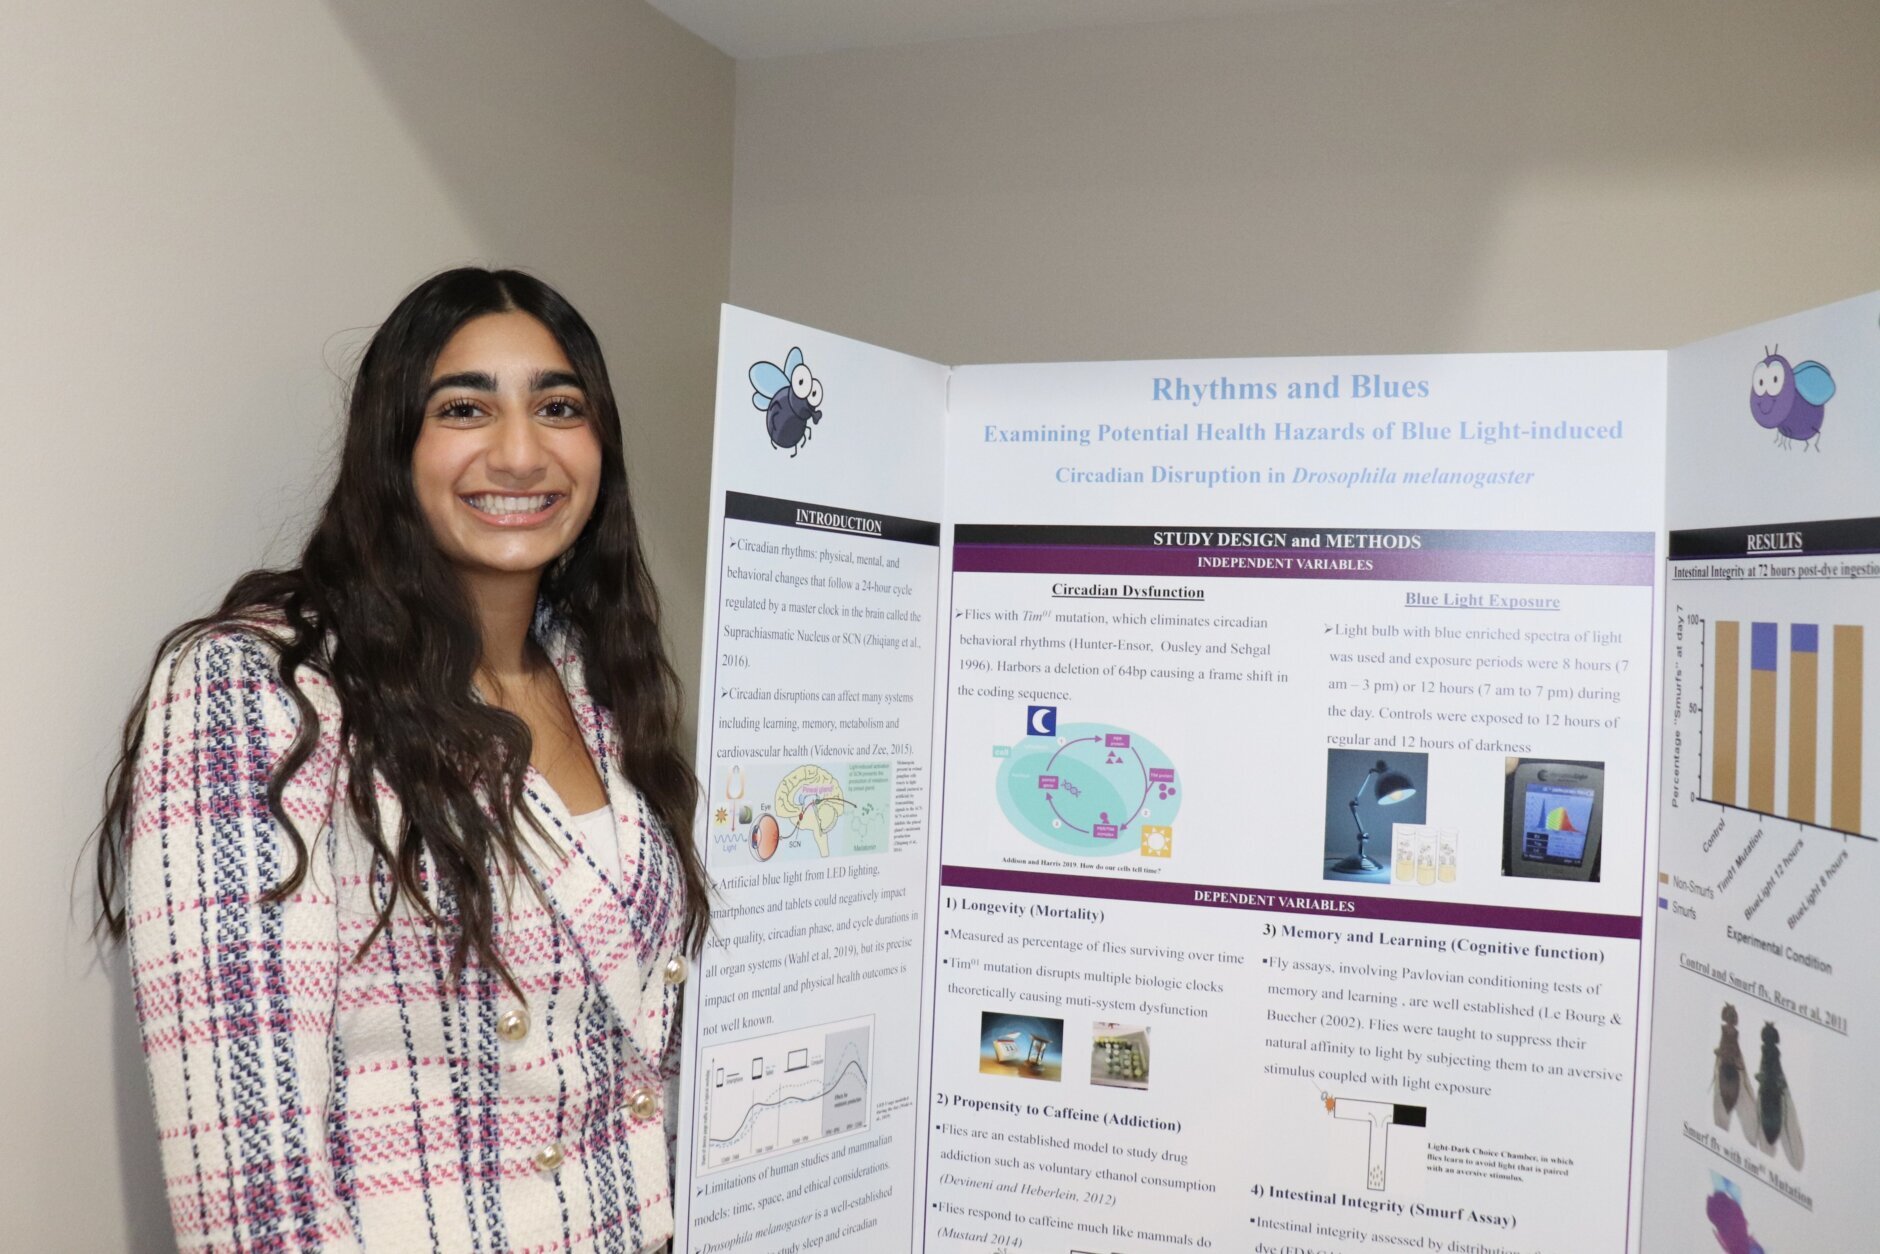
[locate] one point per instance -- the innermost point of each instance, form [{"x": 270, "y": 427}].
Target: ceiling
[{"x": 774, "y": 28}]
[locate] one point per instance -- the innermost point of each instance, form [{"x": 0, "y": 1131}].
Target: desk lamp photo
[{"x": 1392, "y": 787}]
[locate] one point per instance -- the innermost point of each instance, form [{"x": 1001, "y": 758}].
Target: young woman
[{"x": 401, "y": 837}]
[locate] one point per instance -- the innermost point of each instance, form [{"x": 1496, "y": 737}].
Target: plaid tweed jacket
[{"x": 307, "y": 1101}]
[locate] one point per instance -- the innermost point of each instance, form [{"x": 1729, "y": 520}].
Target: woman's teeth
[{"x": 492, "y": 504}]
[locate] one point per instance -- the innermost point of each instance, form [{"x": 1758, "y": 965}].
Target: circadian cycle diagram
[{"x": 1089, "y": 789}]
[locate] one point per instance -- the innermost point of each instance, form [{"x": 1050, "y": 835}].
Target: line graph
[{"x": 768, "y": 1094}]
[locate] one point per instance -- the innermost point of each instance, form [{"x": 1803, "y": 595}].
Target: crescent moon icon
[{"x": 1037, "y": 722}]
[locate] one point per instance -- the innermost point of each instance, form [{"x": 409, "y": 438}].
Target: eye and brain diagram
[{"x": 807, "y": 810}]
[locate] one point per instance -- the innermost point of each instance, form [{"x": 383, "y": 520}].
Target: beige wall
[
  {"x": 203, "y": 210},
  {"x": 1364, "y": 177}
]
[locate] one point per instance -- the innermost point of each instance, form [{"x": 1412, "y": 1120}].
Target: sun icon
[
  {"x": 1157, "y": 842},
  {"x": 721, "y": 816}
]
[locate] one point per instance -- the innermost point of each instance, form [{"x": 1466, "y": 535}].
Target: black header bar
[
  {"x": 746, "y": 507},
  {"x": 1804, "y": 539}
]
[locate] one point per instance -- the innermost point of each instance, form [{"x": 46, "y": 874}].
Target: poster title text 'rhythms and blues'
[{"x": 1364, "y": 385}]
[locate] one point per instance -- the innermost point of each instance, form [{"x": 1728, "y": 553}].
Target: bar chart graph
[{"x": 1786, "y": 724}]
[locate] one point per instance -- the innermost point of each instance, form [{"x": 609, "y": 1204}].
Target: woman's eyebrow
[
  {"x": 477, "y": 380},
  {"x": 483, "y": 381},
  {"x": 543, "y": 379}
]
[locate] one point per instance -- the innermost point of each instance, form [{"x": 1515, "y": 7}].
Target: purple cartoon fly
[{"x": 1791, "y": 400}]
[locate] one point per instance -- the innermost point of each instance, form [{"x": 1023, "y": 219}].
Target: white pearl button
[
  {"x": 513, "y": 1024},
  {"x": 675, "y": 969},
  {"x": 549, "y": 1158},
  {"x": 644, "y": 1103}
]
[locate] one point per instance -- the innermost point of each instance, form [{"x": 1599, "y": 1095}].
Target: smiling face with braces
[{"x": 507, "y": 465}]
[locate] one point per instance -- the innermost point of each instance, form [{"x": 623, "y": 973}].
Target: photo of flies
[
  {"x": 1730, "y": 1090},
  {"x": 1776, "y": 1105},
  {"x": 1762, "y": 1106}
]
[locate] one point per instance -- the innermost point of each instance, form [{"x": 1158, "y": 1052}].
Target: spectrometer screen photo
[
  {"x": 1551, "y": 822},
  {"x": 1556, "y": 823}
]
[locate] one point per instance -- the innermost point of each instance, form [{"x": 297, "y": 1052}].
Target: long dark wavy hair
[{"x": 376, "y": 608}]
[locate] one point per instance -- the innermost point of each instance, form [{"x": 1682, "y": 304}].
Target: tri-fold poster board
[{"x": 1292, "y": 804}]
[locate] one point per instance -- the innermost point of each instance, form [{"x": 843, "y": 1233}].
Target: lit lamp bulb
[{"x": 1392, "y": 787}]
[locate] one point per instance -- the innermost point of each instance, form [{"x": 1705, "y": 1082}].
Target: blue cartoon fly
[{"x": 791, "y": 399}]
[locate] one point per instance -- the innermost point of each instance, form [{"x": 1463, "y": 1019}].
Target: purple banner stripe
[
  {"x": 1420, "y": 565},
  {"x": 1321, "y": 905}
]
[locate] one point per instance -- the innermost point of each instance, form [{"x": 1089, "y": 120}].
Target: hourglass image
[{"x": 1026, "y": 1046}]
